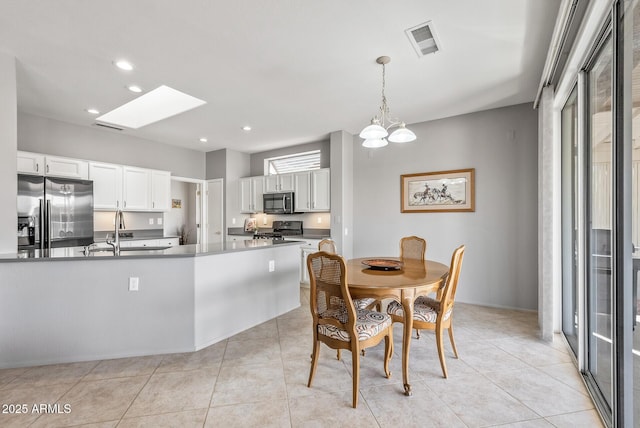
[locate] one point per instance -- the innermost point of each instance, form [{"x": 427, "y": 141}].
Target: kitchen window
[{"x": 292, "y": 163}]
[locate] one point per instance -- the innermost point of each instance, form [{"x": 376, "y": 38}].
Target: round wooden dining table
[{"x": 414, "y": 278}]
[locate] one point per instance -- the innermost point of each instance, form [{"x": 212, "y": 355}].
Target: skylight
[
  {"x": 156, "y": 105},
  {"x": 293, "y": 163}
]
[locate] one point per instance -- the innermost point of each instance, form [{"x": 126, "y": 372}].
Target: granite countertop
[
  {"x": 131, "y": 235},
  {"x": 306, "y": 233},
  {"x": 193, "y": 250}
]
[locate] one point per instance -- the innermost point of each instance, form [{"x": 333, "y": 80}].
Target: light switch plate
[
  {"x": 134, "y": 283},
  {"x": 159, "y": 221},
  {"x": 272, "y": 265},
  {"x": 150, "y": 221}
]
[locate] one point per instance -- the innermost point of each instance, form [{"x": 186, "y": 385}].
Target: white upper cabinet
[
  {"x": 302, "y": 192},
  {"x": 136, "y": 189},
  {"x": 321, "y": 190},
  {"x": 107, "y": 185},
  {"x": 251, "y": 191},
  {"x": 30, "y": 163},
  {"x": 65, "y": 167},
  {"x": 160, "y": 190},
  {"x": 129, "y": 188},
  {"x": 313, "y": 190},
  {"x": 53, "y": 166},
  {"x": 279, "y": 183}
]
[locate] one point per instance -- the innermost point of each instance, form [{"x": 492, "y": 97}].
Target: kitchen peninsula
[{"x": 187, "y": 298}]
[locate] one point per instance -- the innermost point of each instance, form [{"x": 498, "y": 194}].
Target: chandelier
[{"x": 377, "y": 134}]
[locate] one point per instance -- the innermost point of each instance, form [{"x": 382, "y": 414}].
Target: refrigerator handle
[
  {"x": 41, "y": 224},
  {"x": 48, "y": 225}
]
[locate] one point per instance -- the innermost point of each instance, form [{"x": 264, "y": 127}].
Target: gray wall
[
  {"x": 43, "y": 135},
  {"x": 500, "y": 266},
  {"x": 216, "y": 164},
  {"x": 237, "y": 165},
  {"x": 342, "y": 148},
  {"x": 8, "y": 130},
  {"x": 257, "y": 159}
]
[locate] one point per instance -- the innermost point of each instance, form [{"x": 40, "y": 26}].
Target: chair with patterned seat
[
  {"x": 437, "y": 315},
  {"x": 329, "y": 246},
  {"x": 337, "y": 322},
  {"x": 413, "y": 247}
]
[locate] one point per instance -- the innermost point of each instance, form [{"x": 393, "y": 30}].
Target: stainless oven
[{"x": 278, "y": 203}]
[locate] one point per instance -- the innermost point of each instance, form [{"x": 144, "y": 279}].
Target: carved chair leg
[
  {"x": 356, "y": 376},
  {"x": 388, "y": 351},
  {"x": 314, "y": 361},
  {"x": 453, "y": 343},
  {"x": 338, "y": 354},
  {"x": 417, "y": 334},
  {"x": 440, "y": 344}
]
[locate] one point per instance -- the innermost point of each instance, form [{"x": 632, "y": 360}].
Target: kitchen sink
[
  {"x": 149, "y": 248},
  {"x": 124, "y": 249}
]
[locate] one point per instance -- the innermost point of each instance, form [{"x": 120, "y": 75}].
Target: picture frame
[
  {"x": 250, "y": 225},
  {"x": 176, "y": 203},
  {"x": 439, "y": 191}
]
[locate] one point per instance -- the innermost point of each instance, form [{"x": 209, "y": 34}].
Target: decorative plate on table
[{"x": 383, "y": 264}]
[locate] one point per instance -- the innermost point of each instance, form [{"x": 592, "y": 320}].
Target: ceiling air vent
[
  {"x": 423, "y": 38},
  {"x": 108, "y": 126}
]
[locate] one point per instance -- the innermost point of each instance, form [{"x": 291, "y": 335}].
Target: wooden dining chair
[
  {"x": 328, "y": 246},
  {"x": 431, "y": 314},
  {"x": 342, "y": 325},
  {"x": 412, "y": 247}
]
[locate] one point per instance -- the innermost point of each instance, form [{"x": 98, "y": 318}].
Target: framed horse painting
[{"x": 440, "y": 191}]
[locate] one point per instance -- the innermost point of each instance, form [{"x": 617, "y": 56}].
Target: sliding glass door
[
  {"x": 632, "y": 59},
  {"x": 599, "y": 222},
  {"x": 569, "y": 141}
]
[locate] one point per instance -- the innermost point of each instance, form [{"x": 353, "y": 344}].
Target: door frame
[
  {"x": 201, "y": 212},
  {"x": 206, "y": 212}
]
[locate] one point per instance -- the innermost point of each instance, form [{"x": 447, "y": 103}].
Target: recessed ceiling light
[
  {"x": 203, "y": 140},
  {"x": 246, "y": 128},
  {"x": 92, "y": 111},
  {"x": 134, "y": 88},
  {"x": 153, "y": 106},
  {"x": 124, "y": 65}
]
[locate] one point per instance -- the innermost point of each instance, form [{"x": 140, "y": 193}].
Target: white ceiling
[{"x": 294, "y": 70}]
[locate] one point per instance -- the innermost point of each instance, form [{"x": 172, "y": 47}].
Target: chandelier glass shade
[{"x": 377, "y": 133}]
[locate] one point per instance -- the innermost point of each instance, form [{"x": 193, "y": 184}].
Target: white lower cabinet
[
  {"x": 309, "y": 246},
  {"x": 160, "y": 242}
]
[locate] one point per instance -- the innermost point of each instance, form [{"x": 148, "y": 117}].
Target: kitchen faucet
[{"x": 118, "y": 223}]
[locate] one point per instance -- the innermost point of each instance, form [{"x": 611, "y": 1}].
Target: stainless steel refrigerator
[{"x": 54, "y": 212}]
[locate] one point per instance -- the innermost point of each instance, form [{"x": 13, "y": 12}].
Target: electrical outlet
[
  {"x": 150, "y": 221},
  {"x": 233, "y": 221},
  {"x": 319, "y": 220},
  {"x": 134, "y": 282},
  {"x": 346, "y": 231},
  {"x": 159, "y": 222},
  {"x": 272, "y": 265},
  {"x": 264, "y": 220}
]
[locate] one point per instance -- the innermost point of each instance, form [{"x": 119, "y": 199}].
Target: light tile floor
[{"x": 505, "y": 377}]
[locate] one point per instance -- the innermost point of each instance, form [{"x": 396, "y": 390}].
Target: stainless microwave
[{"x": 278, "y": 203}]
